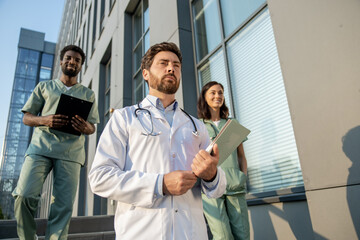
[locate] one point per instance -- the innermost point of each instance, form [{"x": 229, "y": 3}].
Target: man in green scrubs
[{"x": 51, "y": 149}]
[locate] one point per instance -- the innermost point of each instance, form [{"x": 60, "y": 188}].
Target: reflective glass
[
  {"x": 138, "y": 88},
  {"x": 45, "y": 74},
  {"x": 108, "y": 75},
  {"x": 235, "y": 12},
  {"x": 15, "y": 114},
  {"x": 19, "y": 97},
  {"x": 137, "y": 28},
  {"x": 206, "y": 26},
  {"x": 214, "y": 70},
  {"x": 147, "y": 41},
  {"x": 146, "y": 15},
  {"x": 107, "y": 117},
  {"x": 24, "y": 131},
  {"x": 29, "y": 84},
  {"x": 107, "y": 101},
  {"x": 47, "y": 60},
  {"x": 21, "y": 69},
  {"x": 31, "y": 70},
  {"x": 137, "y": 57},
  {"x": 33, "y": 57},
  {"x": 19, "y": 83},
  {"x": 23, "y": 55}
]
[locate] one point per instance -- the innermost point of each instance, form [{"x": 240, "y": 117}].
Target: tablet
[{"x": 71, "y": 106}]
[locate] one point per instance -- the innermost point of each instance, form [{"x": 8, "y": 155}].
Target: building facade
[
  {"x": 34, "y": 64},
  {"x": 290, "y": 72}
]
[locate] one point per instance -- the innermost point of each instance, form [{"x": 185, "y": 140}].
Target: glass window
[
  {"x": 45, "y": 74},
  {"x": 19, "y": 83},
  {"x": 235, "y": 12},
  {"x": 24, "y": 131},
  {"x": 107, "y": 91},
  {"x": 206, "y": 27},
  {"x": 261, "y": 105},
  {"x": 19, "y": 97},
  {"x": 141, "y": 43},
  {"x": 47, "y": 60},
  {"x": 146, "y": 23},
  {"x": 102, "y": 13},
  {"x": 87, "y": 37},
  {"x": 29, "y": 84},
  {"x": 94, "y": 25},
  {"x": 137, "y": 25},
  {"x": 21, "y": 69},
  {"x": 15, "y": 113},
  {"x": 147, "y": 41},
  {"x": 31, "y": 70},
  {"x": 248, "y": 65},
  {"x": 33, "y": 57},
  {"x": 138, "y": 53},
  {"x": 139, "y": 89},
  {"x": 23, "y": 55}
]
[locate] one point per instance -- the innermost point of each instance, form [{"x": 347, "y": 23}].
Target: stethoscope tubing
[{"x": 151, "y": 133}]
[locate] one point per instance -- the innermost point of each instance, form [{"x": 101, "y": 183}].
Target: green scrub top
[
  {"x": 236, "y": 179},
  {"x": 49, "y": 142}
]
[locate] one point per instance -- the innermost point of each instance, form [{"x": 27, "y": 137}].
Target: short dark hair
[
  {"x": 75, "y": 49},
  {"x": 202, "y": 106},
  {"x": 148, "y": 58}
]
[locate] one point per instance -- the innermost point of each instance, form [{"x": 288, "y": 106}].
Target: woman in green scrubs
[{"x": 227, "y": 216}]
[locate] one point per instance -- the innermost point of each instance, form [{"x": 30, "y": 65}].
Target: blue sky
[{"x": 39, "y": 15}]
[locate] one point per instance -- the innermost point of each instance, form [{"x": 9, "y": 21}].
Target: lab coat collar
[
  {"x": 179, "y": 119},
  {"x": 146, "y": 104}
]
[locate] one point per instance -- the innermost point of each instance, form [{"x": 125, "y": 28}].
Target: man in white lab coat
[{"x": 150, "y": 156}]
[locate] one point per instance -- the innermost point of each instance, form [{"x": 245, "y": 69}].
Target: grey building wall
[{"x": 319, "y": 51}]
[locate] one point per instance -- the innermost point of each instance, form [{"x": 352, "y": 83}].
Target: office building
[
  {"x": 34, "y": 64},
  {"x": 290, "y": 71}
]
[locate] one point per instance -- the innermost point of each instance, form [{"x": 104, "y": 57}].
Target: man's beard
[
  {"x": 70, "y": 72},
  {"x": 163, "y": 85}
]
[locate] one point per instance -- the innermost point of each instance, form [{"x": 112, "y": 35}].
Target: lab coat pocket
[{"x": 140, "y": 223}]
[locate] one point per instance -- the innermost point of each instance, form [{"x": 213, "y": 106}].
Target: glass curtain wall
[
  {"x": 235, "y": 46},
  {"x": 32, "y": 67}
]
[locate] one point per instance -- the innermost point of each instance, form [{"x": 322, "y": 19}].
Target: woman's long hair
[{"x": 203, "y": 109}]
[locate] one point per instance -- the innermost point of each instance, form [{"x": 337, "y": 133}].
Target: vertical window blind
[{"x": 260, "y": 104}]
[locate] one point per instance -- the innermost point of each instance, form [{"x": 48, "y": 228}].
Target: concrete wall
[
  {"x": 319, "y": 50},
  {"x": 290, "y": 220}
]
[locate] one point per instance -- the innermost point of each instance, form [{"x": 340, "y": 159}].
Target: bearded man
[{"x": 151, "y": 155}]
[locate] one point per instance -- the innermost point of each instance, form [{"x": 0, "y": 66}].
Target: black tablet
[{"x": 71, "y": 106}]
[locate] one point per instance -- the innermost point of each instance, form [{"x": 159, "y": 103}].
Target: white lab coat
[{"x": 129, "y": 167}]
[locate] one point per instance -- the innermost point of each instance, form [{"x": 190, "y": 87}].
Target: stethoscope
[{"x": 151, "y": 132}]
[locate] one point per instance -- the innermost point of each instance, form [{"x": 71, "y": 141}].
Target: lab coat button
[
  {"x": 173, "y": 155},
  {"x": 176, "y": 210}
]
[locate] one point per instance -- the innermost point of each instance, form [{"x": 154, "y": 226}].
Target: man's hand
[
  {"x": 79, "y": 124},
  {"x": 204, "y": 165},
  {"x": 53, "y": 121},
  {"x": 178, "y": 182}
]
